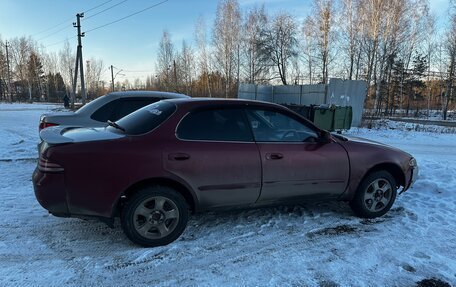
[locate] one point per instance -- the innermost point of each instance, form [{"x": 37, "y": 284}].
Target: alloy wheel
[
  {"x": 378, "y": 195},
  {"x": 156, "y": 217}
]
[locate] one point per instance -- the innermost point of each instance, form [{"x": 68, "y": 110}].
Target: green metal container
[
  {"x": 323, "y": 118},
  {"x": 340, "y": 114},
  {"x": 333, "y": 118},
  {"x": 348, "y": 117}
]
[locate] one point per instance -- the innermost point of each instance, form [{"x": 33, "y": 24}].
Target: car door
[
  {"x": 294, "y": 162},
  {"x": 216, "y": 154}
]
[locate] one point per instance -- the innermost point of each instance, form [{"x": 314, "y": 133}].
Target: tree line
[
  {"x": 407, "y": 61},
  {"x": 393, "y": 45},
  {"x": 38, "y": 75}
]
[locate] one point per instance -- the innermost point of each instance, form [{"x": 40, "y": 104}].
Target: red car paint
[{"x": 98, "y": 174}]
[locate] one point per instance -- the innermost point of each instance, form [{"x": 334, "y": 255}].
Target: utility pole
[
  {"x": 88, "y": 79},
  {"x": 175, "y": 75},
  {"x": 79, "y": 62},
  {"x": 112, "y": 78},
  {"x": 10, "y": 97}
]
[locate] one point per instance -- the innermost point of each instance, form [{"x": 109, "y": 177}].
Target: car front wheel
[
  {"x": 154, "y": 216},
  {"x": 375, "y": 195}
]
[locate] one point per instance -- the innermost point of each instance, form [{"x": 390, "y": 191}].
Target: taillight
[
  {"x": 44, "y": 125},
  {"x": 46, "y": 166}
]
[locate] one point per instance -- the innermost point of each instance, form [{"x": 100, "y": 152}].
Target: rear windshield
[{"x": 146, "y": 118}]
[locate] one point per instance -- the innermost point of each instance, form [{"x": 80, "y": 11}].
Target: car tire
[
  {"x": 154, "y": 216},
  {"x": 375, "y": 195}
]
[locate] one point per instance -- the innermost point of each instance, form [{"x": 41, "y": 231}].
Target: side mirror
[{"x": 325, "y": 137}]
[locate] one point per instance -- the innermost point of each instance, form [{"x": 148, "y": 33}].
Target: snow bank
[{"x": 407, "y": 127}]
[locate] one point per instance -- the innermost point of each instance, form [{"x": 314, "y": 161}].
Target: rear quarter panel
[{"x": 96, "y": 173}]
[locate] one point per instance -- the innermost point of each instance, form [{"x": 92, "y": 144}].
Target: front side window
[
  {"x": 273, "y": 126},
  {"x": 215, "y": 125}
]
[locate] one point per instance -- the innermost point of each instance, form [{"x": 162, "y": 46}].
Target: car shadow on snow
[
  {"x": 68, "y": 236},
  {"x": 312, "y": 219},
  {"x": 86, "y": 243}
]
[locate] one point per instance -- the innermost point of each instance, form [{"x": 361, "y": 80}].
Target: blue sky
[{"x": 132, "y": 43}]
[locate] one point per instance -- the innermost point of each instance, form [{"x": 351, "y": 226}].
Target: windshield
[
  {"x": 146, "y": 118},
  {"x": 88, "y": 105}
]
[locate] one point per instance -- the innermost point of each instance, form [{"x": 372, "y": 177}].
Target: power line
[
  {"x": 137, "y": 71},
  {"x": 60, "y": 42},
  {"x": 49, "y": 35},
  {"x": 107, "y": 24},
  {"x": 98, "y": 6},
  {"x": 65, "y": 21},
  {"x": 131, "y": 71},
  {"x": 53, "y": 27},
  {"x": 128, "y": 16},
  {"x": 104, "y": 10}
]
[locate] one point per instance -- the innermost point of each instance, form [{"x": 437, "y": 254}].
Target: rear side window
[
  {"x": 127, "y": 106},
  {"x": 215, "y": 125},
  {"x": 106, "y": 112},
  {"x": 88, "y": 106},
  {"x": 147, "y": 118}
]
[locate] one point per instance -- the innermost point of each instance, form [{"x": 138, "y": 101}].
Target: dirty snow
[{"x": 306, "y": 245}]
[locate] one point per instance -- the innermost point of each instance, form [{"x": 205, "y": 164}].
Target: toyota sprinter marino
[{"x": 156, "y": 166}]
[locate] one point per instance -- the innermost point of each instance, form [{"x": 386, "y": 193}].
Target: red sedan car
[{"x": 159, "y": 164}]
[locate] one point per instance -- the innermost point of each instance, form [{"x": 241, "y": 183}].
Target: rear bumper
[{"x": 50, "y": 192}]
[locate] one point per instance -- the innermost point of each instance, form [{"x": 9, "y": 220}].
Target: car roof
[
  {"x": 169, "y": 95},
  {"x": 223, "y": 102}
]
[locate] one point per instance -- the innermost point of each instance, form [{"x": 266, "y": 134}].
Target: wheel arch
[
  {"x": 391, "y": 168},
  {"x": 188, "y": 195}
]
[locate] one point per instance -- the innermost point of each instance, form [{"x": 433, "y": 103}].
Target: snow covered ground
[{"x": 306, "y": 245}]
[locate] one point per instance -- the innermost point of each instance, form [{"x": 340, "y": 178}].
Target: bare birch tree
[
  {"x": 450, "y": 45},
  {"x": 94, "y": 70},
  {"x": 371, "y": 14},
  {"x": 203, "y": 55},
  {"x": 279, "y": 44},
  {"x": 226, "y": 41},
  {"x": 66, "y": 64},
  {"x": 351, "y": 24},
  {"x": 3, "y": 72},
  {"x": 186, "y": 68},
  {"x": 21, "y": 50},
  {"x": 165, "y": 62},
  {"x": 256, "y": 68},
  {"x": 308, "y": 48},
  {"x": 393, "y": 27}
]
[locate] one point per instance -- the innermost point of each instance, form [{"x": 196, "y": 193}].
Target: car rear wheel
[
  {"x": 154, "y": 216},
  {"x": 375, "y": 195}
]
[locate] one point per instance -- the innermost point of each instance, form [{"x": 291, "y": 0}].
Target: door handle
[
  {"x": 272, "y": 156},
  {"x": 178, "y": 156}
]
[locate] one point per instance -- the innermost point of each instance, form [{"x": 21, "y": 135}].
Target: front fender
[{"x": 366, "y": 157}]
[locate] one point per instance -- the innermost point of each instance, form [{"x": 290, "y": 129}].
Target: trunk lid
[
  {"x": 70, "y": 134},
  {"x": 56, "y": 116}
]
